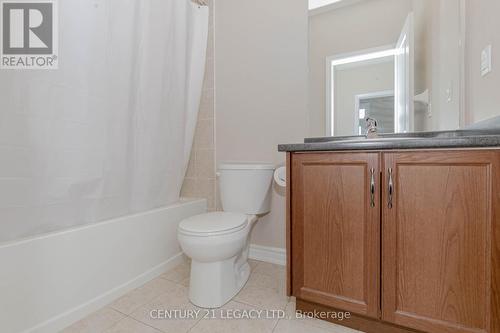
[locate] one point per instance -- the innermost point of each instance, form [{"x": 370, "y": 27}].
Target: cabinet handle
[
  {"x": 391, "y": 189},
  {"x": 372, "y": 187}
]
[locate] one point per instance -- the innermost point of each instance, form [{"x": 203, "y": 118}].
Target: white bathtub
[{"x": 48, "y": 282}]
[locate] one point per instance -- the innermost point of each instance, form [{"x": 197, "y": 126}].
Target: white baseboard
[
  {"x": 268, "y": 254},
  {"x": 67, "y": 318}
]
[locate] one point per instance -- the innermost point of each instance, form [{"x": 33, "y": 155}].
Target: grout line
[
  {"x": 194, "y": 325},
  {"x": 112, "y": 308},
  {"x": 275, "y": 325},
  {"x": 145, "y": 324},
  {"x": 248, "y": 304}
]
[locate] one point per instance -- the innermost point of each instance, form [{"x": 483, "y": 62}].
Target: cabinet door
[
  {"x": 335, "y": 224},
  {"x": 437, "y": 240}
]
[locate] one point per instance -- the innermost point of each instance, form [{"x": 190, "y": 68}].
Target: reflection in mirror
[
  {"x": 356, "y": 82},
  {"x": 400, "y": 62},
  {"x": 378, "y": 106}
]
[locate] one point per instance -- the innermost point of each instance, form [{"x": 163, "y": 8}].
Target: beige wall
[
  {"x": 437, "y": 61},
  {"x": 483, "y": 27},
  {"x": 261, "y": 89},
  {"x": 364, "y": 25},
  {"x": 200, "y": 179}
]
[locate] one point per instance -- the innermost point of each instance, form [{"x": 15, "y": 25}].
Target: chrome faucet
[{"x": 371, "y": 128}]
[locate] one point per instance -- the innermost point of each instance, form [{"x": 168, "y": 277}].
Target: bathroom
[{"x": 202, "y": 166}]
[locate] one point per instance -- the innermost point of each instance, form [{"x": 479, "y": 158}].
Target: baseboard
[
  {"x": 65, "y": 319},
  {"x": 268, "y": 254}
]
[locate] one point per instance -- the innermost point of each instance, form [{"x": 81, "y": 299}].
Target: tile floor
[{"x": 265, "y": 289}]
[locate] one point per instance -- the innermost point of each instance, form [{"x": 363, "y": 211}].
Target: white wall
[
  {"x": 483, "y": 26},
  {"x": 261, "y": 89},
  {"x": 364, "y": 25}
]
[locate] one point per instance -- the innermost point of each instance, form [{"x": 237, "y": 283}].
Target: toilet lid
[{"x": 213, "y": 223}]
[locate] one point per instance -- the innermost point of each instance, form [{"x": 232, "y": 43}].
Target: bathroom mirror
[{"x": 400, "y": 62}]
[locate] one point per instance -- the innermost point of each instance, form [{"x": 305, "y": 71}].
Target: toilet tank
[{"x": 245, "y": 187}]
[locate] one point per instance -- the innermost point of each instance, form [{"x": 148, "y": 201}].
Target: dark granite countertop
[{"x": 466, "y": 138}]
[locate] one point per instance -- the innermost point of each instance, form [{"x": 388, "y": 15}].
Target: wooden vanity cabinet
[
  {"x": 336, "y": 230},
  {"x": 420, "y": 252}
]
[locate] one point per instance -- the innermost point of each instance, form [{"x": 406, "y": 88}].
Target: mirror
[{"x": 400, "y": 62}]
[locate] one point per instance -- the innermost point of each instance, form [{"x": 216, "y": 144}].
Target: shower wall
[{"x": 200, "y": 180}]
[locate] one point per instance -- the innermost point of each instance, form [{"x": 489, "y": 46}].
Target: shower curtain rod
[{"x": 201, "y": 2}]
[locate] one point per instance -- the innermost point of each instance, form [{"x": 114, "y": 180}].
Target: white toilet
[{"x": 218, "y": 242}]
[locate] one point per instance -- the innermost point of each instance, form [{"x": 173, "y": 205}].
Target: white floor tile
[
  {"x": 175, "y": 300},
  {"x": 272, "y": 270},
  {"x": 129, "y": 325},
  {"x": 142, "y": 295},
  {"x": 179, "y": 273},
  {"x": 231, "y": 318},
  {"x": 265, "y": 290},
  {"x": 294, "y": 326},
  {"x": 96, "y": 322}
]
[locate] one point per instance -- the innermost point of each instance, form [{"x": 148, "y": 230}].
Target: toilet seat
[{"x": 213, "y": 224}]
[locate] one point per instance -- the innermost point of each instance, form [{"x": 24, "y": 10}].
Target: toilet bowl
[{"x": 218, "y": 242}]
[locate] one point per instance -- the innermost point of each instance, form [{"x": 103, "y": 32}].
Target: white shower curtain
[{"x": 109, "y": 133}]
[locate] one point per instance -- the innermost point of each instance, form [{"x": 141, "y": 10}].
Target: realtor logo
[{"x": 28, "y": 34}]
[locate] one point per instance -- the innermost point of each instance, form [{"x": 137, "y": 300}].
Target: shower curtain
[{"x": 109, "y": 133}]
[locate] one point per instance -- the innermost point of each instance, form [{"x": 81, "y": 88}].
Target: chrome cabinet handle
[
  {"x": 372, "y": 187},
  {"x": 391, "y": 189}
]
